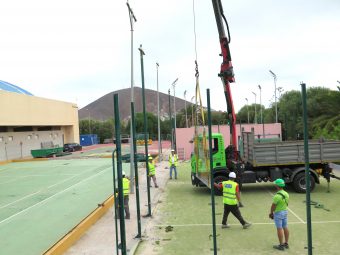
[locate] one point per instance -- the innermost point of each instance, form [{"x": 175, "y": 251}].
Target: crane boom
[{"x": 226, "y": 72}]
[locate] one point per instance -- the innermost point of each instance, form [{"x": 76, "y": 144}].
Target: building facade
[{"x": 28, "y": 122}]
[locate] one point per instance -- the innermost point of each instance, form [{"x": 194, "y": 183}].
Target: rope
[{"x": 193, "y": 10}]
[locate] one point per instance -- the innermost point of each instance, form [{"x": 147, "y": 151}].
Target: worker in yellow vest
[
  {"x": 231, "y": 198},
  {"x": 126, "y": 190},
  {"x": 152, "y": 172},
  {"x": 173, "y": 159}
]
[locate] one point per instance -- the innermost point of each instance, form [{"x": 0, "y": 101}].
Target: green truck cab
[
  {"x": 263, "y": 161},
  {"x": 200, "y": 165}
]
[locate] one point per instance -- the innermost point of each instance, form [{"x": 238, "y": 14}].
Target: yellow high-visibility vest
[
  {"x": 175, "y": 159},
  {"x": 152, "y": 169},
  {"x": 126, "y": 186},
  {"x": 229, "y": 192}
]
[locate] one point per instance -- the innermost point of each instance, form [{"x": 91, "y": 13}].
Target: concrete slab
[{"x": 100, "y": 239}]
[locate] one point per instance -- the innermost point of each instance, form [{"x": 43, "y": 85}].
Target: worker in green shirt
[{"x": 278, "y": 212}]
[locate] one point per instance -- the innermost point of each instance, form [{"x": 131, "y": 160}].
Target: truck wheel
[
  {"x": 218, "y": 179},
  {"x": 300, "y": 183}
]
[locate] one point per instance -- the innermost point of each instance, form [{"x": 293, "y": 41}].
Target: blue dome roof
[{"x": 12, "y": 88}]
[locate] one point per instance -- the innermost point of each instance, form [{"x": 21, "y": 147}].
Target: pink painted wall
[{"x": 184, "y": 135}]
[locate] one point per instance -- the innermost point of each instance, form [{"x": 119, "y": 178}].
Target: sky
[{"x": 78, "y": 51}]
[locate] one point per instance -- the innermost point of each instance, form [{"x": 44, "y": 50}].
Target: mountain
[{"x": 102, "y": 108}]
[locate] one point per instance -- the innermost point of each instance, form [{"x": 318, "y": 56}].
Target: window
[
  {"x": 214, "y": 145},
  {"x": 22, "y": 129}
]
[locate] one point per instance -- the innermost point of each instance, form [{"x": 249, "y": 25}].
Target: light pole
[
  {"x": 255, "y": 120},
  {"x": 274, "y": 75},
  {"x": 192, "y": 110},
  {"x": 185, "y": 106},
  {"x": 159, "y": 123},
  {"x": 174, "y": 86},
  {"x": 133, "y": 19},
  {"x": 171, "y": 125},
  {"x": 263, "y": 135},
  {"x": 247, "y": 110}
]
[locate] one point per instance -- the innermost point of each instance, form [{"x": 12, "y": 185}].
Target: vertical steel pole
[
  {"x": 263, "y": 134},
  {"x": 274, "y": 76},
  {"x": 115, "y": 198},
  {"x": 142, "y": 53},
  {"x": 255, "y": 118},
  {"x": 247, "y": 110},
  {"x": 212, "y": 190},
  {"x": 133, "y": 19},
  {"x": 307, "y": 172},
  {"x": 139, "y": 227},
  {"x": 172, "y": 133},
  {"x": 120, "y": 176},
  {"x": 158, "y": 121}
]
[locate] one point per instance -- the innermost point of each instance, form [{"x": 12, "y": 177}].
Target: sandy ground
[{"x": 100, "y": 238}]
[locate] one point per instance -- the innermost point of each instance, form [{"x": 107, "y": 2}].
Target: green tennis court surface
[
  {"x": 42, "y": 201},
  {"x": 188, "y": 210}
]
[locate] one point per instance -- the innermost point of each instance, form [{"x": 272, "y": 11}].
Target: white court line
[
  {"x": 237, "y": 224},
  {"x": 297, "y": 216},
  {"x": 43, "y": 201},
  {"x": 37, "y": 192}
]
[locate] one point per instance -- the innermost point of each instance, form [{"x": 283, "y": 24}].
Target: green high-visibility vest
[
  {"x": 152, "y": 169},
  {"x": 126, "y": 186},
  {"x": 229, "y": 192}
]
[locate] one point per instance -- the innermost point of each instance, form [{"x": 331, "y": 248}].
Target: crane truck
[{"x": 261, "y": 161}]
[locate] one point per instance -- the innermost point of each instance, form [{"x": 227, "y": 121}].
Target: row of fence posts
[
  {"x": 121, "y": 244},
  {"x": 121, "y": 247}
]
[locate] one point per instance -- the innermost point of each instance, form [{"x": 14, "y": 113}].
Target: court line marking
[
  {"x": 44, "y": 189},
  {"x": 256, "y": 223},
  {"x": 297, "y": 216},
  {"x": 46, "y": 199}
]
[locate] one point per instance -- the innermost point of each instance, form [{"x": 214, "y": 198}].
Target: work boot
[
  {"x": 286, "y": 245},
  {"x": 280, "y": 247},
  {"x": 246, "y": 225},
  {"x": 225, "y": 226},
  {"x": 156, "y": 186},
  {"x": 127, "y": 217}
]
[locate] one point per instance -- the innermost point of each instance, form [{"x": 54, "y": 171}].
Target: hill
[{"x": 102, "y": 108}]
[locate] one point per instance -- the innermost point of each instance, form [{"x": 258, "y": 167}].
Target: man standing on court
[
  {"x": 278, "y": 212},
  {"x": 173, "y": 159},
  {"x": 126, "y": 190},
  {"x": 152, "y": 172},
  {"x": 231, "y": 198}
]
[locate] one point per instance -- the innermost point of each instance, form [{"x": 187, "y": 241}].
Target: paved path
[{"x": 100, "y": 239}]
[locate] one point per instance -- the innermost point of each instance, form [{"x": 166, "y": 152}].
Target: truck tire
[
  {"x": 218, "y": 179},
  {"x": 299, "y": 183}
]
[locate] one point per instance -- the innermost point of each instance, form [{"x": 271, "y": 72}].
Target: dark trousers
[
  {"x": 126, "y": 207},
  {"x": 235, "y": 211}
]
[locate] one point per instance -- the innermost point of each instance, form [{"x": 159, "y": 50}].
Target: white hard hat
[
  {"x": 172, "y": 150},
  {"x": 123, "y": 173},
  {"x": 232, "y": 175}
]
